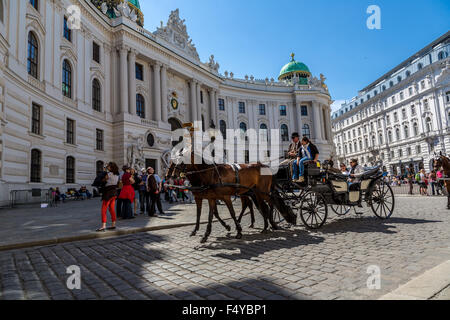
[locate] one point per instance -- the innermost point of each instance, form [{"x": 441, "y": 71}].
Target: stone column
[
  {"x": 214, "y": 107},
  {"x": 164, "y": 112},
  {"x": 123, "y": 51},
  {"x": 149, "y": 114},
  {"x": 132, "y": 81},
  {"x": 199, "y": 105},
  {"x": 317, "y": 123},
  {"x": 193, "y": 114},
  {"x": 157, "y": 83},
  {"x": 298, "y": 111}
]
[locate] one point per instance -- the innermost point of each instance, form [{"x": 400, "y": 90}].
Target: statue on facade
[
  {"x": 135, "y": 153},
  {"x": 213, "y": 65}
]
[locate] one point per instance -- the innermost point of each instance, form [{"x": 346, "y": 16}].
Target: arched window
[
  {"x": 67, "y": 79},
  {"x": 35, "y": 168},
  {"x": 99, "y": 167},
  {"x": 419, "y": 66},
  {"x": 380, "y": 139},
  {"x": 397, "y": 134},
  {"x": 243, "y": 127},
  {"x": 70, "y": 170},
  {"x": 360, "y": 145},
  {"x": 34, "y": 4},
  {"x": 355, "y": 146},
  {"x": 442, "y": 55},
  {"x": 429, "y": 124},
  {"x": 406, "y": 130},
  {"x": 390, "y": 136},
  {"x": 33, "y": 54},
  {"x": 223, "y": 128},
  {"x": 391, "y": 83},
  {"x": 264, "y": 132},
  {"x": 345, "y": 149},
  {"x": 447, "y": 95},
  {"x": 284, "y": 133},
  {"x": 140, "y": 106},
  {"x": 373, "y": 141},
  {"x": 96, "y": 96},
  {"x": 416, "y": 129},
  {"x": 399, "y": 79},
  {"x": 408, "y": 73},
  {"x": 306, "y": 132}
]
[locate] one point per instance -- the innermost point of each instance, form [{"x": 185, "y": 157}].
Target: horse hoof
[
  {"x": 193, "y": 234},
  {"x": 203, "y": 240},
  {"x": 252, "y": 226},
  {"x": 228, "y": 228},
  {"x": 265, "y": 231},
  {"x": 239, "y": 236}
]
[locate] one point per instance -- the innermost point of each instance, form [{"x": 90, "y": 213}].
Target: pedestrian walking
[
  {"x": 154, "y": 189},
  {"x": 109, "y": 196},
  {"x": 423, "y": 183},
  {"x": 143, "y": 191}
]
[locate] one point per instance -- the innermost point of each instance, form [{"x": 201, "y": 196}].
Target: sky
[{"x": 249, "y": 37}]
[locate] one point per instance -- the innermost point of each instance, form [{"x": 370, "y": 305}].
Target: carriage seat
[{"x": 370, "y": 172}]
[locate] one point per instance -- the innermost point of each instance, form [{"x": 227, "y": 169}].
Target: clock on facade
[{"x": 174, "y": 103}]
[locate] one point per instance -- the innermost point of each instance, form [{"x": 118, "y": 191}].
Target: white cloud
[{"x": 336, "y": 105}]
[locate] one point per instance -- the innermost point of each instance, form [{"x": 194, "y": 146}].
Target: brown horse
[
  {"x": 221, "y": 182},
  {"x": 444, "y": 162},
  {"x": 199, "y": 197}
]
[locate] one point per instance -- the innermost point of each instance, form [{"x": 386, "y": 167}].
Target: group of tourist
[
  {"x": 123, "y": 193},
  {"x": 81, "y": 194},
  {"x": 421, "y": 178}
]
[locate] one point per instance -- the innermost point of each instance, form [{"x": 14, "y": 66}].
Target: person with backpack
[{"x": 109, "y": 193}]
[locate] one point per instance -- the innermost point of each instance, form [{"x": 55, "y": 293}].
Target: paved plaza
[{"x": 331, "y": 263}]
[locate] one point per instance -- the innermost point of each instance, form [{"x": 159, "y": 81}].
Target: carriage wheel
[
  {"x": 382, "y": 200},
  {"x": 313, "y": 210},
  {"x": 340, "y": 210}
]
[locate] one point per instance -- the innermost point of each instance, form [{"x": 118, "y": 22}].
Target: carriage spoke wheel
[
  {"x": 382, "y": 200},
  {"x": 313, "y": 210},
  {"x": 340, "y": 210}
]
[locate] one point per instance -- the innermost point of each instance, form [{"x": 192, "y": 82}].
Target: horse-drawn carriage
[{"x": 324, "y": 188}]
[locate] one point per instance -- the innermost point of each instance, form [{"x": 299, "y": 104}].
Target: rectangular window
[
  {"x": 36, "y": 119},
  {"x": 304, "y": 110},
  {"x": 413, "y": 110},
  {"x": 241, "y": 107},
  {"x": 410, "y": 91},
  {"x": 401, "y": 95},
  {"x": 70, "y": 131},
  {"x": 221, "y": 104},
  {"x": 99, "y": 140},
  {"x": 422, "y": 84},
  {"x": 139, "y": 72},
  {"x": 262, "y": 109},
  {"x": 393, "y": 100},
  {"x": 96, "y": 52},
  {"x": 283, "y": 111},
  {"x": 201, "y": 96},
  {"x": 67, "y": 31}
]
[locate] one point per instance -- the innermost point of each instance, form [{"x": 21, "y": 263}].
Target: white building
[
  {"x": 72, "y": 98},
  {"x": 403, "y": 117}
]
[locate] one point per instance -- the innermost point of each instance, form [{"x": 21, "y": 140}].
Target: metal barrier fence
[
  {"x": 34, "y": 196},
  {"x": 404, "y": 188}
]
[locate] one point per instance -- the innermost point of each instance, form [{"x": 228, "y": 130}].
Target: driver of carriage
[
  {"x": 308, "y": 152},
  {"x": 293, "y": 149},
  {"x": 356, "y": 171}
]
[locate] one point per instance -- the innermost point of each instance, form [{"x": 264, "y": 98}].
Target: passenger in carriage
[
  {"x": 356, "y": 171},
  {"x": 308, "y": 152}
]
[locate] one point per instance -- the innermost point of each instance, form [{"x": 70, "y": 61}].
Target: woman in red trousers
[{"x": 109, "y": 196}]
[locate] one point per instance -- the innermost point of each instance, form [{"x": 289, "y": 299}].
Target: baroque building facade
[
  {"x": 402, "y": 118},
  {"x": 83, "y": 83}
]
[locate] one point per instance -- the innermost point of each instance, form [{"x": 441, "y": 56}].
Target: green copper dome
[
  {"x": 135, "y": 3},
  {"x": 294, "y": 68}
]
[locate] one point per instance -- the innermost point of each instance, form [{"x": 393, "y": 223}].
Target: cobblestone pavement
[{"x": 289, "y": 264}]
